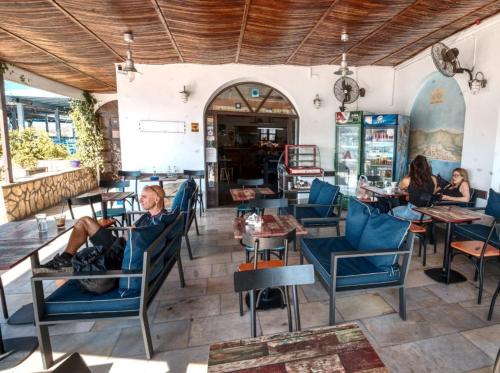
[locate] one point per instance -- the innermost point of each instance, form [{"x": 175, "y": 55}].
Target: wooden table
[
  {"x": 109, "y": 197},
  {"x": 21, "y": 240},
  {"x": 449, "y": 215},
  {"x": 272, "y": 226},
  {"x": 340, "y": 348},
  {"x": 246, "y": 194},
  {"x": 161, "y": 180}
]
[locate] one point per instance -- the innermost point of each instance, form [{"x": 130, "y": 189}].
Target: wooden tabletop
[
  {"x": 272, "y": 226},
  {"x": 383, "y": 192},
  {"x": 109, "y": 196},
  {"x": 160, "y": 178},
  {"x": 340, "y": 348},
  {"x": 450, "y": 214},
  {"x": 20, "y": 239},
  {"x": 246, "y": 194}
]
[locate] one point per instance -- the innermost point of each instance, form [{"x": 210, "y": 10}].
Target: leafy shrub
[{"x": 30, "y": 145}]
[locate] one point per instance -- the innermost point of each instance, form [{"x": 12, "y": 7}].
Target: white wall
[
  {"x": 154, "y": 95},
  {"x": 481, "y": 148}
]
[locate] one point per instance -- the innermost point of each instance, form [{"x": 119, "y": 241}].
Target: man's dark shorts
[{"x": 113, "y": 246}]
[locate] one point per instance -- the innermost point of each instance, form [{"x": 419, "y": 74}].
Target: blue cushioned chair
[
  {"x": 185, "y": 201},
  {"x": 69, "y": 303},
  {"x": 319, "y": 211},
  {"x": 374, "y": 252}
]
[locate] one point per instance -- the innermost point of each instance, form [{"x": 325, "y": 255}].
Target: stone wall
[{"x": 29, "y": 197}]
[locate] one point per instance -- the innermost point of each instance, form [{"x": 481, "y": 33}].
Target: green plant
[
  {"x": 89, "y": 136},
  {"x": 30, "y": 145}
]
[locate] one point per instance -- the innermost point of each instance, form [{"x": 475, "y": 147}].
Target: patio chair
[
  {"x": 279, "y": 277},
  {"x": 244, "y": 207},
  {"x": 101, "y": 216},
  {"x": 185, "y": 201},
  {"x": 200, "y": 174},
  {"x": 132, "y": 175},
  {"x": 319, "y": 211},
  {"x": 492, "y": 305},
  {"x": 261, "y": 248},
  {"x": 118, "y": 185}
]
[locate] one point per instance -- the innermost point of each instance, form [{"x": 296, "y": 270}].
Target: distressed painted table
[
  {"x": 272, "y": 226},
  {"x": 340, "y": 348},
  {"x": 246, "y": 194},
  {"x": 449, "y": 215}
]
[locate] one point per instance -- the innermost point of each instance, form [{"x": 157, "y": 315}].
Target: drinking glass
[
  {"x": 41, "y": 222},
  {"x": 60, "y": 220}
]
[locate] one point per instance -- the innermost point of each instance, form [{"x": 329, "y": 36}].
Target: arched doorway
[
  {"x": 247, "y": 126},
  {"x": 110, "y": 127}
]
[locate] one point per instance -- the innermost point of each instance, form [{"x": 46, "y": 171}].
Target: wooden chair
[
  {"x": 274, "y": 277},
  {"x": 243, "y": 207},
  {"x": 264, "y": 246},
  {"x": 478, "y": 252}
]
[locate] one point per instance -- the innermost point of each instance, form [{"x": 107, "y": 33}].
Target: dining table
[
  {"x": 385, "y": 193},
  {"x": 450, "y": 215},
  {"x": 339, "y": 348},
  {"x": 19, "y": 241},
  {"x": 247, "y": 194}
]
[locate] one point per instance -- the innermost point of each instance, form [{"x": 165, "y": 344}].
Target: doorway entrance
[{"x": 247, "y": 126}]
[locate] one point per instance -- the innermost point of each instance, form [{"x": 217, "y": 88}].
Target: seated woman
[
  {"x": 458, "y": 190},
  {"x": 420, "y": 185}
]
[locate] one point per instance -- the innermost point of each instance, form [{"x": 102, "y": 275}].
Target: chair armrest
[
  {"x": 312, "y": 205},
  {"x": 378, "y": 252},
  {"x": 83, "y": 275},
  {"x": 321, "y": 220}
]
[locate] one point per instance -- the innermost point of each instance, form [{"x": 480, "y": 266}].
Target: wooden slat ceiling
[{"x": 78, "y": 43}]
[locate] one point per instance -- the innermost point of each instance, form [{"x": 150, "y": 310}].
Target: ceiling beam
[
  {"x": 242, "y": 29},
  {"x": 429, "y": 34},
  {"x": 382, "y": 26},
  {"x": 325, "y": 14},
  {"x": 56, "y": 57},
  {"x": 86, "y": 29},
  {"x": 163, "y": 20}
]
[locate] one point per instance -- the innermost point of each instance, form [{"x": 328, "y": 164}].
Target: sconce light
[
  {"x": 477, "y": 83},
  {"x": 317, "y": 102},
  {"x": 128, "y": 68},
  {"x": 184, "y": 95}
]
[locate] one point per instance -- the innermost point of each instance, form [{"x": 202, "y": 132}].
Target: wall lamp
[
  {"x": 184, "y": 94},
  {"x": 317, "y": 102},
  {"x": 477, "y": 83}
]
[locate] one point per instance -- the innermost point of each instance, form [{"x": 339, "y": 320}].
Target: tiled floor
[{"x": 446, "y": 330}]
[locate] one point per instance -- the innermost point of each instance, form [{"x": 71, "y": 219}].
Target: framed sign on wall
[{"x": 162, "y": 126}]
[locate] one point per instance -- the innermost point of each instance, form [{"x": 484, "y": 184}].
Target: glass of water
[{"x": 41, "y": 222}]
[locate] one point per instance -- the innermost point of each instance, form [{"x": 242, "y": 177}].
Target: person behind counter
[{"x": 458, "y": 190}]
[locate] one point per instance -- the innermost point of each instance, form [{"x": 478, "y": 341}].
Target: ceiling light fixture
[
  {"x": 344, "y": 69},
  {"x": 128, "y": 67}
]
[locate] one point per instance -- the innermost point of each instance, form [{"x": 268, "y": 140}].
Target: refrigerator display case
[
  {"x": 348, "y": 147},
  {"x": 385, "y": 150}
]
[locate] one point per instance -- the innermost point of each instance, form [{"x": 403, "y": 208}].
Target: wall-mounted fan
[
  {"x": 347, "y": 91},
  {"x": 446, "y": 60}
]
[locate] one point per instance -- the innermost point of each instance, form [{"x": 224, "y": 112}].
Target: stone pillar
[{"x": 20, "y": 115}]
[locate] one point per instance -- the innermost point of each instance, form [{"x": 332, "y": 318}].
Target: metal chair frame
[
  {"x": 132, "y": 175},
  {"x": 200, "y": 174}
]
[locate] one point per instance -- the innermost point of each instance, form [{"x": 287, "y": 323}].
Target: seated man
[{"x": 151, "y": 200}]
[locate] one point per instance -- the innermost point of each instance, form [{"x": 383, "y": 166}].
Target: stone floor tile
[
  {"x": 487, "y": 339},
  {"x": 451, "y": 318},
  {"x": 98, "y": 343},
  {"x": 223, "y": 269},
  {"x": 190, "y": 308},
  {"x": 126, "y": 323},
  {"x": 455, "y": 293},
  {"x": 229, "y": 303},
  {"x": 220, "y": 285},
  {"x": 195, "y": 272},
  {"x": 224, "y": 257},
  {"x": 391, "y": 330},
  {"x": 166, "y": 336},
  {"x": 481, "y": 310},
  {"x": 446, "y": 354},
  {"x": 220, "y": 328},
  {"x": 172, "y": 289},
  {"x": 362, "y": 305},
  {"x": 314, "y": 292},
  {"x": 416, "y": 278},
  {"x": 418, "y": 297},
  {"x": 189, "y": 360}
]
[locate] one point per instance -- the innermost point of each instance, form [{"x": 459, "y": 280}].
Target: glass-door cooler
[
  {"x": 348, "y": 127},
  {"x": 385, "y": 155}
]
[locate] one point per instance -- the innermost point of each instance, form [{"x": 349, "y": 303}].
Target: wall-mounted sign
[
  {"x": 255, "y": 92},
  {"x": 162, "y": 126},
  {"x": 195, "y": 127}
]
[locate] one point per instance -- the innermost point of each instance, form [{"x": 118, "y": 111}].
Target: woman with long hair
[
  {"x": 420, "y": 185},
  {"x": 458, "y": 190}
]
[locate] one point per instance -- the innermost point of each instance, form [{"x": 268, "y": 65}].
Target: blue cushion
[
  {"x": 350, "y": 271},
  {"x": 383, "y": 231},
  {"x": 493, "y": 204},
  {"x": 185, "y": 191},
  {"x": 71, "y": 298},
  {"x": 316, "y": 186},
  {"x": 327, "y": 196},
  {"x": 140, "y": 239},
  {"x": 477, "y": 232},
  {"x": 357, "y": 216}
]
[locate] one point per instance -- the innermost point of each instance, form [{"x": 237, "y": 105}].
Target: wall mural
[{"x": 437, "y": 124}]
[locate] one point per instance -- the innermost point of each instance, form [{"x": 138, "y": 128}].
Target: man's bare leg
[{"x": 83, "y": 229}]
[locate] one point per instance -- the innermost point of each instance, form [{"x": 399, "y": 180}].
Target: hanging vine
[
  {"x": 5, "y": 68},
  {"x": 90, "y": 139}
]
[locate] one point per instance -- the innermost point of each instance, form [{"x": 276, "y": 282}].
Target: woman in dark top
[
  {"x": 458, "y": 190},
  {"x": 420, "y": 185}
]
